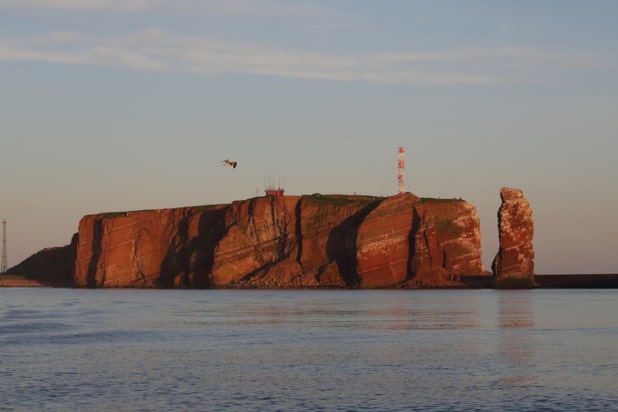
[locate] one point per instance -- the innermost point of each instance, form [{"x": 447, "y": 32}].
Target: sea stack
[{"x": 513, "y": 266}]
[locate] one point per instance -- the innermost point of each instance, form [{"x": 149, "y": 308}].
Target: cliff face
[
  {"x": 283, "y": 242},
  {"x": 513, "y": 265},
  {"x": 419, "y": 242},
  {"x": 159, "y": 248},
  {"x": 259, "y": 236},
  {"x": 289, "y": 242},
  {"x": 447, "y": 242}
]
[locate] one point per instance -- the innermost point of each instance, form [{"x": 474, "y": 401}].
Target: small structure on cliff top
[{"x": 273, "y": 190}]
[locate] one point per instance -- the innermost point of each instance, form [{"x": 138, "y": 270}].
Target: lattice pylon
[
  {"x": 401, "y": 164},
  {"x": 5, "y": 259}
]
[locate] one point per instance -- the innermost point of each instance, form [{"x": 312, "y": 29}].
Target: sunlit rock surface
[
  {"x": 513, "y": 265},
  {"x": 311, "y": 241}
]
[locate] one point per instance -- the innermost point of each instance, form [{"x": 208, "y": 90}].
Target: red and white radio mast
[{"x": 401, "y": 164}]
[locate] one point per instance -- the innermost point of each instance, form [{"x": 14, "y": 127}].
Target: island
[{"x": 293, "y": 242}]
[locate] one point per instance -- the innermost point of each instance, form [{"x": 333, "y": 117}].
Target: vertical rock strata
[
  {"x": 259, "y": 233},
  {"x": 513, "y": 265},
  {"x": 158, "y": 248},
  {"x": 284, "y": 242},
  {"x": 416, "y": 242},
  {"x": 290, "y": 242}
]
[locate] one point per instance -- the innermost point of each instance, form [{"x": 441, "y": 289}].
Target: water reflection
[
  {"x": 378, "y": 311},
  {"x": 516, "y": 345},
  {"x": 516, "y": 310},
  {"x": 308, "y": 350}
]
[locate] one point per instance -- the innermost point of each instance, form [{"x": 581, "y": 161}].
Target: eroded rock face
[
  {"x": 348, "y": 241},
  {"x": 284, "y": 242},
  {"x": 290, "y": 242},
  {"x": 447, "y": 242},
  {"x": 158, "y": 248},
  {"x": 384, "y": 242},
  {"x": 259, "y": 234},
  {"x": 328, "y": 227},
  {"x": 513, "y": 265},
  {"x": 418, "y": 242}
]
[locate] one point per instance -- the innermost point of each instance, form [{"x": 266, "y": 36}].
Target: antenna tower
[
  {"x": 273, "y": 190},
  {"x": 4, "y": 268},
  {"x": 401, "y": 164}
]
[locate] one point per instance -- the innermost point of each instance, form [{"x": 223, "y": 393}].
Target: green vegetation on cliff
[{"x": 339, "y": 200}]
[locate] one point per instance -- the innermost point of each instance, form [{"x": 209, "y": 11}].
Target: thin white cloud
[
  {"x": 158, "y": 50},
  {"x": 185, "y": 7}
]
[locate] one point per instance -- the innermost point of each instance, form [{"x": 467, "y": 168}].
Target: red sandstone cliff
[
  {"x": 288, "y": 242},
  {"x": 419, "y": 242},
  {"x": 513, "y": 265},
  {"x": 284, "y": 242},
  {"x": 157, "y": 248}
]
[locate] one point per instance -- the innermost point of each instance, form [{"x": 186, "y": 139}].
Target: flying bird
[{"x": 228, "y": 162}]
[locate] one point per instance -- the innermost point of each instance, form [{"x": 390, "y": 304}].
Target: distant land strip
[{"x": 577, "y": 281}]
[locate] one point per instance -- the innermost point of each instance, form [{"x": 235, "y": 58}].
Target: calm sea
[{"x": 209, "y": 350}]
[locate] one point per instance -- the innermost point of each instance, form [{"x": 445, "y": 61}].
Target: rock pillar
[{"x": 513, "y": 266}]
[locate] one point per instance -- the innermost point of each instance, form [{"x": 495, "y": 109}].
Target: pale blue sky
[{"x": 132, "y": 104}]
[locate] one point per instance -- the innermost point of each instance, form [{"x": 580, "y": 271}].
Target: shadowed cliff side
[
  {"x": 97, "y": 238},
  {"x": 49, "y": 267},
  {"x": 156, "y": 248},
  {"x": 189, "y": 260},
  {"x": 289, "y": 242},
  {"x": 342, "y": 246},
  {"x": 383, "y": 245},
  {"x": 328, "y": 224}
]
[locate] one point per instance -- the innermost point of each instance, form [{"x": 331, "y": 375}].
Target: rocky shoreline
[
  {"x": 572, "y": 281},
  {"x": 18, "y": 282}
]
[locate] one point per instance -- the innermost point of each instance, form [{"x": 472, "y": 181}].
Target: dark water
[{"x": 144, "y": 350}]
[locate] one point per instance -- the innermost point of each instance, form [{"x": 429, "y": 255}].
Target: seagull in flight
[{"x": 228, "y": 162}]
